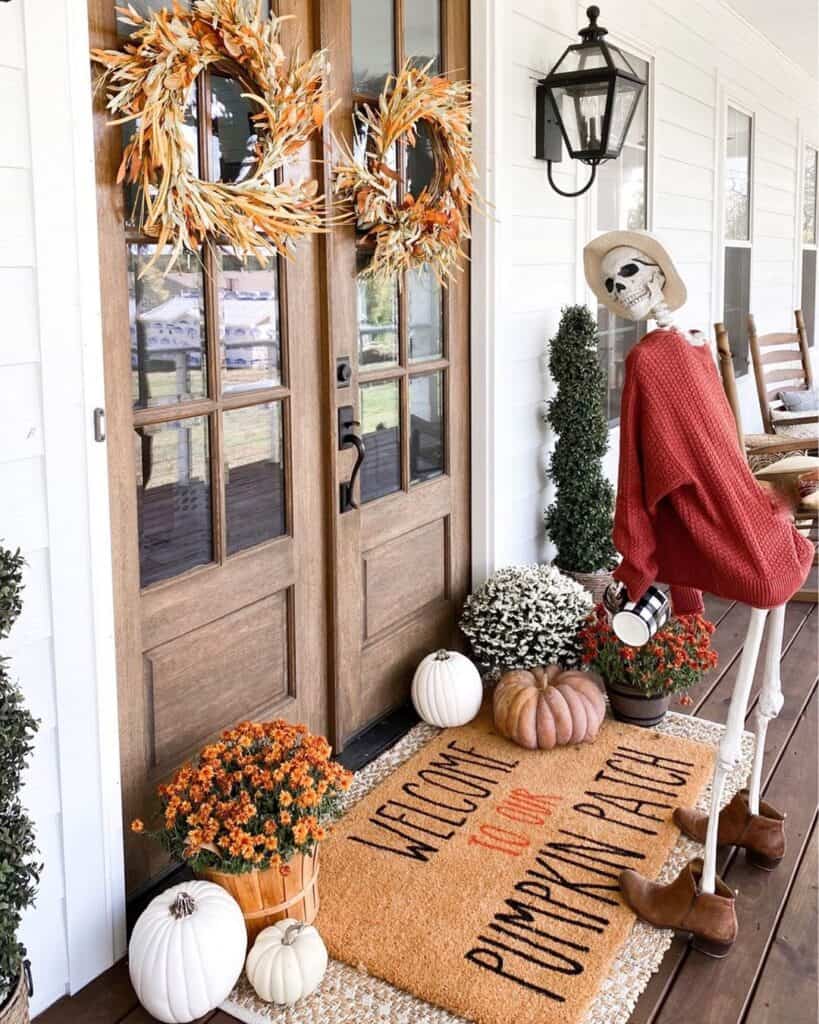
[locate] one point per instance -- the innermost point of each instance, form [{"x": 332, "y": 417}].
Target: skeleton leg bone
[
  {"x": 770, "y": 699},
  {"x": 729, "y": 747}
]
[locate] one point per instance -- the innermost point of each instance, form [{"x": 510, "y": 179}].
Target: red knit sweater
[{"x": 689, "y": 512}]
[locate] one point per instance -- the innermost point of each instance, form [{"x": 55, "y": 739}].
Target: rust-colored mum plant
[
  {"x": 148, "y": 83},
  {"x": 263, "y": 792},
  {"x": 673, "y": 660},
  {"x": 408, "y": 231}
]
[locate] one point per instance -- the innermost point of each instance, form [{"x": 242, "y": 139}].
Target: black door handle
[{"x": 351, "y": 440}]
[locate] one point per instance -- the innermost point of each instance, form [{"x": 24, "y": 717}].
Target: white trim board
[{"x": 68, "y": 308}]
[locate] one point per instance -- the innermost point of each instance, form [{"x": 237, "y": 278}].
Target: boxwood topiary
[{"x": 19, "y": 870}]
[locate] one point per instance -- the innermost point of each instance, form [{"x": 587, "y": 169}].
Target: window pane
[
  {"x": 377, "y": 320},
  {"x": 380, "y": 430},
  {"x": 232, "y": 132},
  {"x": 616, "y": 339},
  {"x": 373, "y": 44},
  {"x": 173, "y": 498},
  {"x": 420, "y": 169},
  {"x": 621, "y": 191},
  {"x": 425, "y": 308},
  {"x": 249, "y": 334},
  {"x": 254, "y": 475},
  {"x": 426, "y": 426},
  {"x": 809, "y": 205},
  {"x": 736, "y": 304},
  {"x": 809, "y": 292},
  {"x": 168, "y": 348},
  {"x": 422, "y": 33},
  {"x": 738, "y": 177}
]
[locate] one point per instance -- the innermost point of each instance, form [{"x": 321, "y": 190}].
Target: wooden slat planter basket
[
  {"x": 594, "y": 582},
  {"x": 269, "y": 896},
  {"x": 15, "y": 1009}
]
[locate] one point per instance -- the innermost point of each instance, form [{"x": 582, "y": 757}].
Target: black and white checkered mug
[{"x": 635, "y": 622}]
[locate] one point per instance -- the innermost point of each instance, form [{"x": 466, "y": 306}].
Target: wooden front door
[
  {"x": 242, "y": 588},
  {"x": 402, "y": 566}
]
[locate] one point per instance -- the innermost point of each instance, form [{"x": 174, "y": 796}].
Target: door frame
[{"x": 59, "y": 84}]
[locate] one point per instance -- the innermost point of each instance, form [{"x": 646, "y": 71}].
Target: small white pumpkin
[
  {"x": 287, "y": 962},
  {"x": 447, "y": 689},
  {"x": 186, "y": 951}
]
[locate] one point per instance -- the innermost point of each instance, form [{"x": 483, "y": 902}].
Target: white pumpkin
[
  {"x": 287, "y": 962},
  {"x": 447, "y": 689},
  {"x": 186, "y": 951}
]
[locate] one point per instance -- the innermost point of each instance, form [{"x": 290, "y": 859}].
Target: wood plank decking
[{"x": 771, "y": 974}]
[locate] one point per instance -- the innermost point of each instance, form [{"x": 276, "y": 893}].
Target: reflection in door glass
[
  {"x": 254, "y": 475},
  {"x": 421, "y": 162},
  {"x": 233, "y": 137},
  {"x": 426, "y": 427},
  {"x": 373, "y": 44},
  {"x": 249, "y": 336},
  {"x": 173, "y": 498},
  {"x": 377, "y": 320},
  {"x": 166, "y": 315},
  {"x": 422, "y": 33},
  {"x": 381, "y": 433},
  {"x": 425, "y": 307}
]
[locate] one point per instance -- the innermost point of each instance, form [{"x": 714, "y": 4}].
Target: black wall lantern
[{"x": 588, "y": 101}]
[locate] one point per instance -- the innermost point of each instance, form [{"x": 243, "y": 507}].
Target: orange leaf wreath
[
  {"x": 149, "y": 81},
  {"x": 429, "y": 228}
]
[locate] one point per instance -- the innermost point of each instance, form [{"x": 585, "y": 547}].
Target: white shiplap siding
[{"x": 702, "y": 57}]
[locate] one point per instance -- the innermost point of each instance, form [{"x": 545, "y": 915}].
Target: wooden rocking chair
[
  {"x": 782, "y": 363},
  {"x": 778, "y": 460}
]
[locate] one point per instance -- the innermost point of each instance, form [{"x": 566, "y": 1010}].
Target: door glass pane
[
  {"x": 425, "y": 308},
  {"x": 249, "y": 333},
  {"x": 420, "y": 166},
  {"x": 168, "y": 348},
  {"x": 373, "y": 44},
  {"x": 133, "y": 197},
  {"x": 233, "y": 135},
  {"x": 380, "y": 429},
  {"x": 738, "y": 176},
  {"x": 377, "y": 320},
  {"x": 422, "y": 33},
  {"x": 736, "y": 303},
  {"x": 173, "y": 498},
  {"x": 426, "y": 426},
  {"x": 254, "y": 475},
  {"x": 143, "y": 8}
]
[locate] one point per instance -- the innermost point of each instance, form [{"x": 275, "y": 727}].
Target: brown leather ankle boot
[
  {"x": 761, "y": 835},
  {"x": 709, "y": 917}
]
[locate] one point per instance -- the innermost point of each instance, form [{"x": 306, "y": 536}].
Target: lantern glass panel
[
  {"x": 582, "y": 110},
  {"x": 581, "y": 58},
  {"x": 626, "y": 96},
  {"x": 621, "y": 62}
]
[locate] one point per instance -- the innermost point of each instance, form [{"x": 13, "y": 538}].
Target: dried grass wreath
[
  {"x": 428, "y": 228},
  {"x": 148, "y": 82}
]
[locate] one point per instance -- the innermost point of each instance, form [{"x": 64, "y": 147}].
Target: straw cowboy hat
[{"x": 673, "y": 289}]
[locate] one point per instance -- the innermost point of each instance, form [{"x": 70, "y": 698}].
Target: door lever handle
[{"x": 347, "y": 487}]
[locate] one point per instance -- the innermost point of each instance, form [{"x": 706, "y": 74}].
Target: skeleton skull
[{"x": 634, "y": 281}]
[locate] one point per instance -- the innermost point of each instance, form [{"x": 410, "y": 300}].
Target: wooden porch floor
[{"x": 771, "y": 974}]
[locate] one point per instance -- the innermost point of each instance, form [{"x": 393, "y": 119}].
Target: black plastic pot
[{"x": 628, "y": 704}]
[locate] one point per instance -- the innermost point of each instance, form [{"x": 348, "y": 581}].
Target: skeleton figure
[{"x": 635, "y": 283}]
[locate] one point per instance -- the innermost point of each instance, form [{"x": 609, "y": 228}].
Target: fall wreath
[
  {"x": 409, "y": 231},
  {"x": 148, "y": 82}
]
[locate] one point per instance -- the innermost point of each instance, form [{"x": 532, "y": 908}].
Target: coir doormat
[
  {"x": 484, "y": 877},
  {"x": 351, "y": 993}
]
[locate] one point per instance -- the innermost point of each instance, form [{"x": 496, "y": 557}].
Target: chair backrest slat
[
  {"x": 785, "y": 359},
  {"x": 729, "y": 383}
]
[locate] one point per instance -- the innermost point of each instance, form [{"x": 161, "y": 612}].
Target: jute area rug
[{"x": 472, "y": 880}]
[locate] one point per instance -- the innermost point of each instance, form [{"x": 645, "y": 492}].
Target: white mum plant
[{"x": 525, "y": 615}]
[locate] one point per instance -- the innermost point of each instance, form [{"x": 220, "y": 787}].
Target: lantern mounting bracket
[{"x": 571, "y": 195}]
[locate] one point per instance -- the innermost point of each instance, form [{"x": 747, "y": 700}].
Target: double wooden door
[{"x": 250, "y": 580}]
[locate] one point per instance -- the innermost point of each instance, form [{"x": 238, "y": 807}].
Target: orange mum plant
[
  {"x": 409, "y": 231},
  {"x": 673, "y": 660},
  {"x": 149, "y": 82},
  {"x": 262, "y": 793}
]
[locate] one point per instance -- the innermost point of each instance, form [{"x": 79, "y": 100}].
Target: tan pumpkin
[{"x": 548, "y": 707}]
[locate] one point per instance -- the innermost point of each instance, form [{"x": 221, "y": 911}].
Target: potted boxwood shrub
[
  {"x": 579, "y": 522},
  {"x": 640, "y": 680},
  {"x": 19, "y": 872}
]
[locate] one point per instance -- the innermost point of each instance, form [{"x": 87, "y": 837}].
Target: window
[
  {"x": 621, "y": 204},
  {"x": 737, "y": 267},
  {"x": 808, "y": 301}
]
